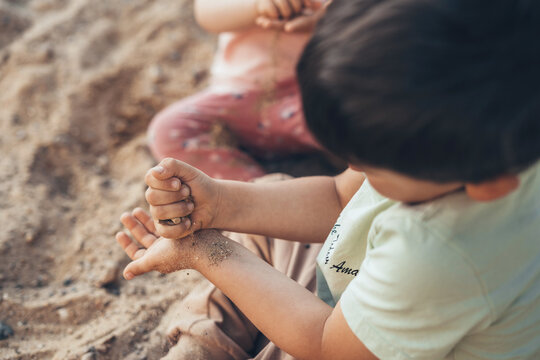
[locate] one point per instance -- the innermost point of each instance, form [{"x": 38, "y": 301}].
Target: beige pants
[{"x": 211, "y": 327}]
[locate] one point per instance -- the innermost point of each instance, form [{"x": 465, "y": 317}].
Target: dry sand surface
[{"x": 79, "y": 82}]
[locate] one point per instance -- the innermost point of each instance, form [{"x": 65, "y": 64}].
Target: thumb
[
  {"x": 300, "y": 24},
  {"x": 320, "y": 5},
  {"x": 170, "y": 167},
  {"x": 136, "y": 268}
]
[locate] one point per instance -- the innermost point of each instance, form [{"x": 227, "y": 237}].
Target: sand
[{"x": 79, "y": 82}]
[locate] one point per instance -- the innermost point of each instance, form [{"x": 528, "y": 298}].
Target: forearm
[
  {"x": 288, "y": 314},
  {"x": 221, "y": 16},
  {"x": 303, "y": 209}
]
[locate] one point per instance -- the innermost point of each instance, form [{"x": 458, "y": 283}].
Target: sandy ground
[{"x": 79, "y": 82}]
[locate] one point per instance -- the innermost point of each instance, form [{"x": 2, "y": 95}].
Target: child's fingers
[
  {"x": 170, "y": 167},
  {"x": 301, "y": 24},
  {"x": 130, "y": 248},
  {"x": 169, "y": 184},
  {"x": 138, "y": 230},
  {"x": 267, "y": 23},
  {"x": 162, "y": 197},
  {"x": 136, "y": 268},
  {"x": 315, "y": 5},
  {"x": 175, "y": 231},
  {"x": 268, "y": 9},
  {"x": 263, "y": 22},
  {"x": 145, "y": 219},
  {"x": 322, "y": 5},
  {"x": 296, "y": 6},
  {"x": 284, "y": 8},
  {"x": 160, "y": 172},
  {"x": 169, "y": 211}
]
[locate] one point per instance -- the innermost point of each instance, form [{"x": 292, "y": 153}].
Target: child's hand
[
  {"x": 281, "y": 9},
  {"x": 304, "y": 22},
  {"x": 166, "y": 255},
  {"x": 180, "y": 192},
  {"x": 157, "y": 254}
]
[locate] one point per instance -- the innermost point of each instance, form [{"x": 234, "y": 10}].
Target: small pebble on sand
[
  {"x": 5, "y": 331},
  {"x": 63, "y": 314}
]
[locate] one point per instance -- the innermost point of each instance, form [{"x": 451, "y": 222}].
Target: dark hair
[{"x": 444, "y": 90}]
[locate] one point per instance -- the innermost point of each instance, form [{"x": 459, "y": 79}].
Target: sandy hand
[
  {"x": 167, "y": 255},
  {"x": 156, "y": 254},
  {"x": 305, "y": 21},
  {"x": 178, "y": 190}
]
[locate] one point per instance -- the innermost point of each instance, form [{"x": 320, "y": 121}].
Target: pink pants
[{"x": 264, "y": 123}]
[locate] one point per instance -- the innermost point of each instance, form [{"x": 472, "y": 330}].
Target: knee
[
  {"x": 162, "y": 124},
  {"x": 169, "y": 130}
]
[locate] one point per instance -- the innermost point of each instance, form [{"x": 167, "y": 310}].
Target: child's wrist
[
  {"x": 209, "y": 248},
  {"x": 224, "y": 204}
]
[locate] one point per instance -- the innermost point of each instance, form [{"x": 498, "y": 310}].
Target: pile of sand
[{"x": 79, "y": 82}]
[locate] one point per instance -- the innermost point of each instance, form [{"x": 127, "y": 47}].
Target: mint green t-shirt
[{"x": 448, "y": 279}]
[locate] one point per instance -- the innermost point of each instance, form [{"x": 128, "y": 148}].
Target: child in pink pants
[{"x": 252, "y": 94}]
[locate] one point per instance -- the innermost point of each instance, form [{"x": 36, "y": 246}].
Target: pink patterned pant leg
[
  {"x": 276, "y": 124},
  {"x": 183, "y": 131},
  {"x": 265, "y": 123}
]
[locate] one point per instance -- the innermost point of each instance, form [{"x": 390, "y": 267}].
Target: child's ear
[{"x": 492, "y": 189}]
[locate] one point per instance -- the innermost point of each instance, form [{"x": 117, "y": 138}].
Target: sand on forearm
[{"x": 217, "y": 248}]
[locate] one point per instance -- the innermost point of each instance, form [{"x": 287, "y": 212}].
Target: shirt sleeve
[{"x": 416, "y": 294}]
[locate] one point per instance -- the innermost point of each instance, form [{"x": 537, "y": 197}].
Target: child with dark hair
[{"x": 432, "y": 243}]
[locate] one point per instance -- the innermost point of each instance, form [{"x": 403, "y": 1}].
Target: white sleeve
[{"x": 416, "y": 295}]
